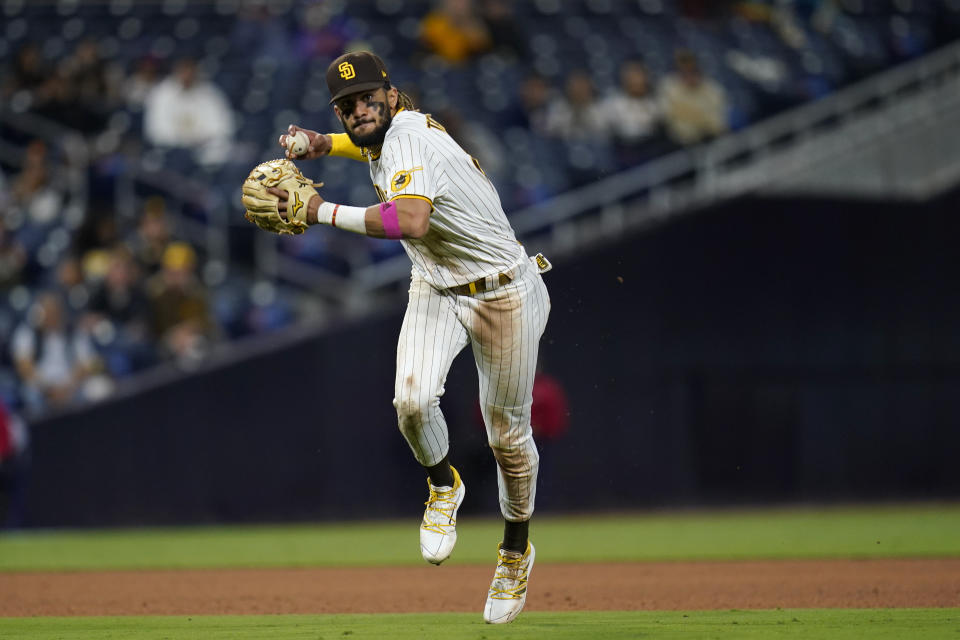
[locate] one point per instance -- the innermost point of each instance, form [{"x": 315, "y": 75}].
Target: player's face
[{"x": 366, "y": 116}]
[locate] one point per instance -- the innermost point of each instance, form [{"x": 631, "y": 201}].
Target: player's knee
[
  {"x": 516, "y": 459},
  {"x": 506, "y": 423},
  {"x": 410, "y": 413}
]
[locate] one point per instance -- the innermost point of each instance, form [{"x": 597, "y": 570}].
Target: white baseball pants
[{"x": 503, "y": 326}]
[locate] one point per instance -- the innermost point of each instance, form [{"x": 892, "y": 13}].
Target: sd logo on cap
[{"x": 354, "y": 72}]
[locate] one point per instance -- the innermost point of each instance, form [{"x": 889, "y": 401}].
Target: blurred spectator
[
  {"x": 320, "y": 249},
  {"x": 32, "y": 189},
  {"x": 53, "y": 358},
  {"x": 185, "y": 111},
  {"x": 325, "y": 31},
  {"x": 631, "y": 115},
  {"x": 80, "y": 91},
  {"x": 787, "y": 17},
  {"x": 786, "y": 23},
  {"x": 454, "y": 31},
  {"x": 823, "y": 15},
  {"x": 95, "y": 263},
  {"x": 13, "y": 259},
  {"x": 550, "y": 412},
  {"x": 576, "y": 119},
  {"x": 181, "y": 318},
  {"x": 121, "y": 315},
  {"x": 530, "y": 111},
  {"x": 99, "y": 231},
  {"x": 27, "y": 72},
  {"x": 576, "y": 116},
  {"x": 258, "y": 33},
  {"x": 53, "y": 100},
  {"x": 506, "y": 36},
  {"x": 70, "y": 280},
  {"x": 140, "y": 81},
  {"x": 14, "y": 466},
  {"x": 152, "y": 235},
  {"x": 694, "y": 107},
  {"x": 95, "y": 81},
  {"x": 119, "y": 296},
  {"x": 267, "y": 310}
]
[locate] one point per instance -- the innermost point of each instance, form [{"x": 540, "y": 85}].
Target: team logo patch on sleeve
[{"x": 402, "y": 178}]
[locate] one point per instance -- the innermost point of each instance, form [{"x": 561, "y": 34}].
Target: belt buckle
[{"x": 489, "y": 283}]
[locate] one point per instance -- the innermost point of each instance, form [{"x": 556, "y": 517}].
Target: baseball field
[{"x": 851, "y": 572}]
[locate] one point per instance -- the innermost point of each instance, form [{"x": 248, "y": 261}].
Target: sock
[
  {"x": 441, "y": 475},
  {"x": 515, "y": 536}
]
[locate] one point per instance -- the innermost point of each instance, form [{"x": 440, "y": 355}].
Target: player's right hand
[{"x": 320, "y": 144}]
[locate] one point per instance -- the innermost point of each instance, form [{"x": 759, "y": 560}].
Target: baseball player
[{"x": 472, "y": 284}]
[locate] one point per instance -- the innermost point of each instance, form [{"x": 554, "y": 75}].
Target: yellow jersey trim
[
  {"x": 411, "y": 195},
  {"x": 342, "y": 147}
]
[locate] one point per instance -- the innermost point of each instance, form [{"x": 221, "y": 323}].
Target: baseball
[{"x": 298, "y": 143}]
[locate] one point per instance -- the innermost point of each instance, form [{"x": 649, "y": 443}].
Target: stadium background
[{"x": 747, "y": 347}]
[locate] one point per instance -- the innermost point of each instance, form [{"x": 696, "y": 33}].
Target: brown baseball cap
[{"x": 356, "y": 71}]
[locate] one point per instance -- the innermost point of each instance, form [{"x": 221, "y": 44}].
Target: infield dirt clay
[{"x": 868, "y": 583}]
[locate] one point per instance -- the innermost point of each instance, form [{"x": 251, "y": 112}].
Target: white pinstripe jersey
[{"x": 469, "y": 236}]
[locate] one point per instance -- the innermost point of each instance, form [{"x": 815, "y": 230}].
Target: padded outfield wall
[{"x": 762, "y": 350}]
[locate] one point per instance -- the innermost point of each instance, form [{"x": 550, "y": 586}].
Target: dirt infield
[{"x": 674, "y": 585}]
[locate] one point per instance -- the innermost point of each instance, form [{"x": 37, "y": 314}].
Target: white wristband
[{"x": 343, "y": 217}]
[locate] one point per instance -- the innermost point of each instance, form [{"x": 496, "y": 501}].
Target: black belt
[{"x": 481, "y": 285}]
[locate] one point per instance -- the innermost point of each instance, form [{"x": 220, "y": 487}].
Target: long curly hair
[{"x": 404, "y": 101}]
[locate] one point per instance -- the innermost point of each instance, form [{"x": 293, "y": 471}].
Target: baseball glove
[{"x": 261, "y": 205}]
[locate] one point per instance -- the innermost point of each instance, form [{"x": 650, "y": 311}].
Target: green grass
[
  {"x": 836, "y": 624},
  {"x": 857, "y": 532}
]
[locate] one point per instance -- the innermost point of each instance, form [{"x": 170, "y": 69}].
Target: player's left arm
[
  {"x": 399, "y": 219},
  {"x": 413, "y": 217}
]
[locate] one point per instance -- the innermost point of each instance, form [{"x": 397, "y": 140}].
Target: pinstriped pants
[{"x": 503, "y": 327}]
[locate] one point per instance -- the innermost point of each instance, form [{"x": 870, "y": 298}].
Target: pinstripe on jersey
[{"x": 469, "y": 236}]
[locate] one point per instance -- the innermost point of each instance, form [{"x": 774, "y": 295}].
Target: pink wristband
[{"x": 391, "y": 223}]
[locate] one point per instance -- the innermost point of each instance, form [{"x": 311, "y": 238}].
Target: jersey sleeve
[
  {"x": 409, "y": 168},
  {"x": 341, "y": 146}
]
